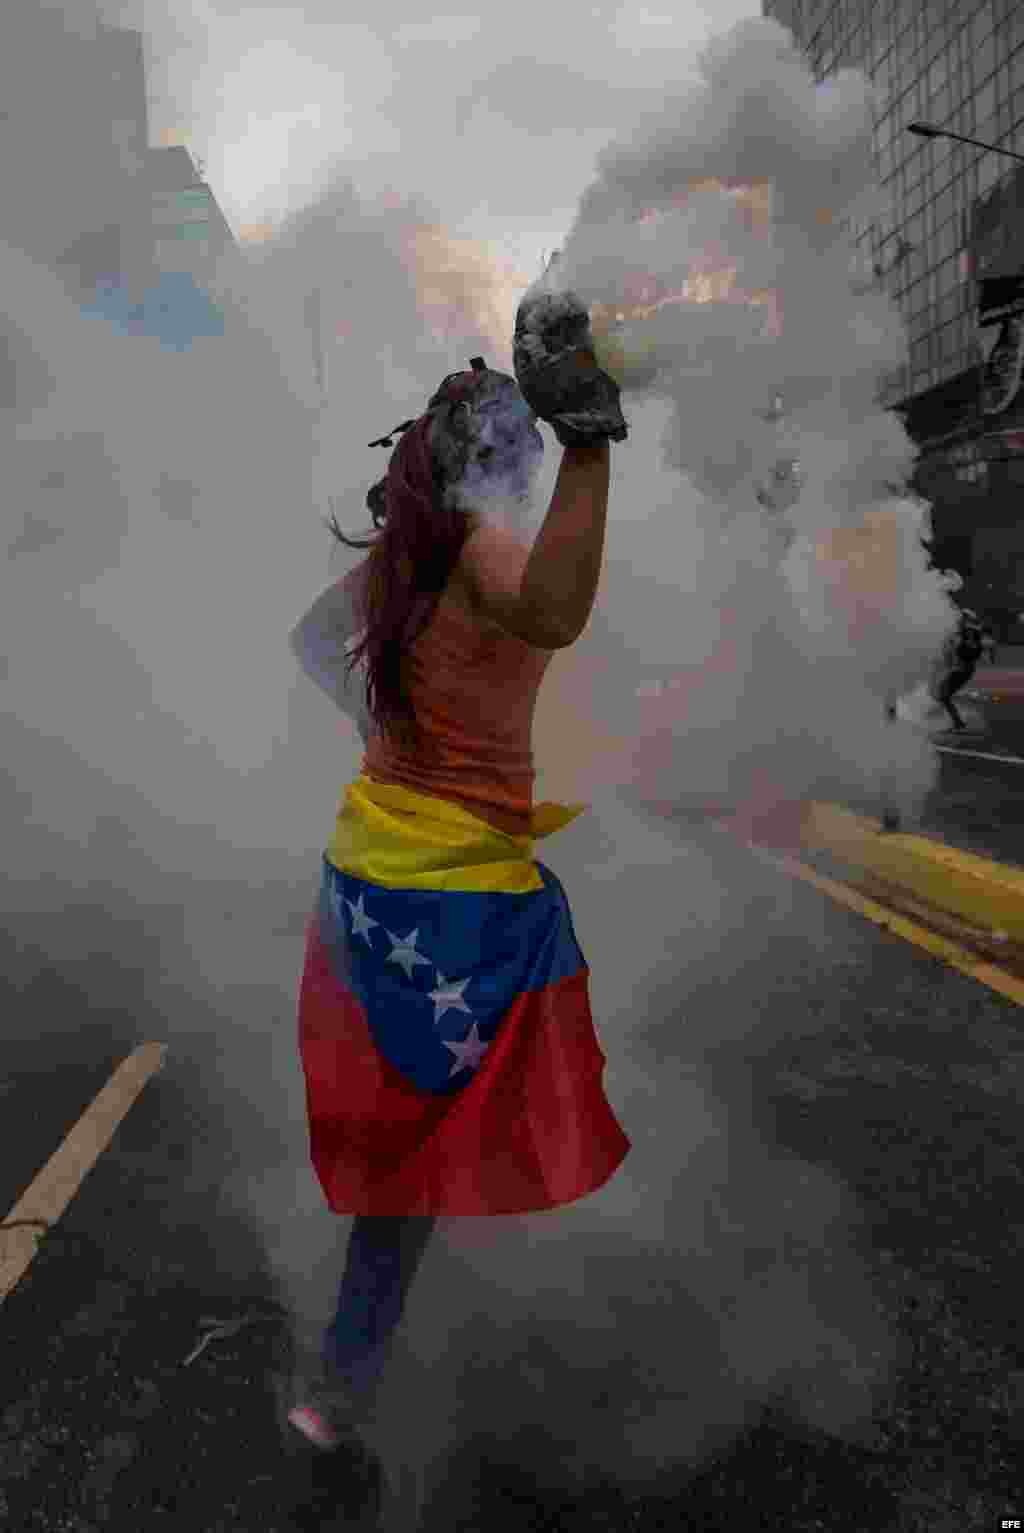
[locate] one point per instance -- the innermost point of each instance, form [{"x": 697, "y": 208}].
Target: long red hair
[{"x": 419, "y": 541}]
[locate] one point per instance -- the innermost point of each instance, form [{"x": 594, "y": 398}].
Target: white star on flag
[
  {"x": 361, "y": 922},
  {"x": 404, "y": 951},
  {"x": 448, "y": 996},
  {"x": 468, "y": 1053}
]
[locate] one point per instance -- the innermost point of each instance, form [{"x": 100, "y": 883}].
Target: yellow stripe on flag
[{"x": 399, "y": 839}]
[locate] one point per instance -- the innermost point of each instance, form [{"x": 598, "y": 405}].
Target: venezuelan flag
[{"x": 447, "y": 1042}]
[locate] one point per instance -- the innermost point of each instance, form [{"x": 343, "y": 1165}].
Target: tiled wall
[{"x": 955, "y": 64}]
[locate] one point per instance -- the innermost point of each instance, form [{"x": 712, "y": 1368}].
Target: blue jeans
[{"x": 382, "y": 1259}]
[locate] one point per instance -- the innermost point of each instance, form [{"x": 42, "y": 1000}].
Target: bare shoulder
[
  {"x": 493, "y": 532},
  {"x": 490, "y": 571},
  {"x": 490, "y": 554}
]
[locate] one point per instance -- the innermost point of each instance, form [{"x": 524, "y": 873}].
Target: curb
[
  {"x": 976, "y": 902},
  {"x": 975, "y": 898}
]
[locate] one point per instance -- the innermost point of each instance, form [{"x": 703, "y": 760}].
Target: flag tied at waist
[{"x": 446, "y": 1036}]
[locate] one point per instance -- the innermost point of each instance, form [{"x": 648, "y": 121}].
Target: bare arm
[
  {"x": 544, "y": 595},
  {"x": 564, "y": 566}
]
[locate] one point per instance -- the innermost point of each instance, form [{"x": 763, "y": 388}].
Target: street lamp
[{"x": 924, "y": 131}]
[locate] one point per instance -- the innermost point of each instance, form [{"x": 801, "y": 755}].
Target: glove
[{"x": 558, "y": 374}]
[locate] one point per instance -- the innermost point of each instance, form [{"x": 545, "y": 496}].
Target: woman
[{"x": 445, "y": 1030}]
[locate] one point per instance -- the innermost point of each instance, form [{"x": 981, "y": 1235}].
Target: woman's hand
[{"x": 557, "y": 371}]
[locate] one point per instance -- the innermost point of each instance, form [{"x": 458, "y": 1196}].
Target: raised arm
[{"x": 544, "y": 595}]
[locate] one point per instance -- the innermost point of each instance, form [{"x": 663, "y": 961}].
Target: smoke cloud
[
  {"x": 775, "y": 352},
  {"x": 174, "y": 777}
]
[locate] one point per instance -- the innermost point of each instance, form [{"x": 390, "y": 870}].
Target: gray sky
[{"x": 494, "y": 114}]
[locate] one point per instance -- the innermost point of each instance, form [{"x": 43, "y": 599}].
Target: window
[
  {"x": 912, "y": 101},
  {"x": 1015, "y": 69},
  {"x": 914, "y": 63},
  {"x": 915, "y": 198},
  {"x": 937, "y": 75},
  {"x": 913, "y": 32},
  {"x": 928, "y": 214},
  {"x": 1003, "y": 121},
  {"x": 947, "y": 308},
  {"x": 985, "y": 103},
  {"x": 940, "y": 106},
  {"x": 982, "y": 22},
  {"x": 946, "y": 240},
  {"x": 989, "y": 170},
  {"x": 943, "y": 150},
  {"x": 1013, "y": 31},
  {"x": 985, "y": 57},
  {"x": 945, "y": 204},
  {"x": 1004, "y": 88}
]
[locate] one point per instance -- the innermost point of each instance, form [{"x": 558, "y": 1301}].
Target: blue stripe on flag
[{"x": 436, "y": 971}]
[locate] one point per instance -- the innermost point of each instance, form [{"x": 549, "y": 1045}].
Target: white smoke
[
  {"x": 829, "y": 606},
  {"x": 163, "y": 528}
]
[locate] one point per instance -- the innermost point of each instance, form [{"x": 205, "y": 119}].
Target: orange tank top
[{"x": 474, "y": 688}]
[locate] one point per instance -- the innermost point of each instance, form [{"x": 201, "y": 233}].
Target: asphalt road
[{"x": 908, "y": 1089}]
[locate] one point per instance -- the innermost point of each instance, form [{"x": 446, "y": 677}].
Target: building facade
[
  {"x": 950, "y": 251},
  {"x": 85, "y": 192},
  {"x": 188, "y": 228}
]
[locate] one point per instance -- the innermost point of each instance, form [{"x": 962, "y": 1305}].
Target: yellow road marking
[
  {"x": 50, "y": 1192},
  {"x": 980, "y": 891},
  {"x": 958, "y": 957}
]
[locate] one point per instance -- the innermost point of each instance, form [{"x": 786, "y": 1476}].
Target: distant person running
[
  {"x": 958, "y": 663},
  {"x": 450, "y": 1057}
]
